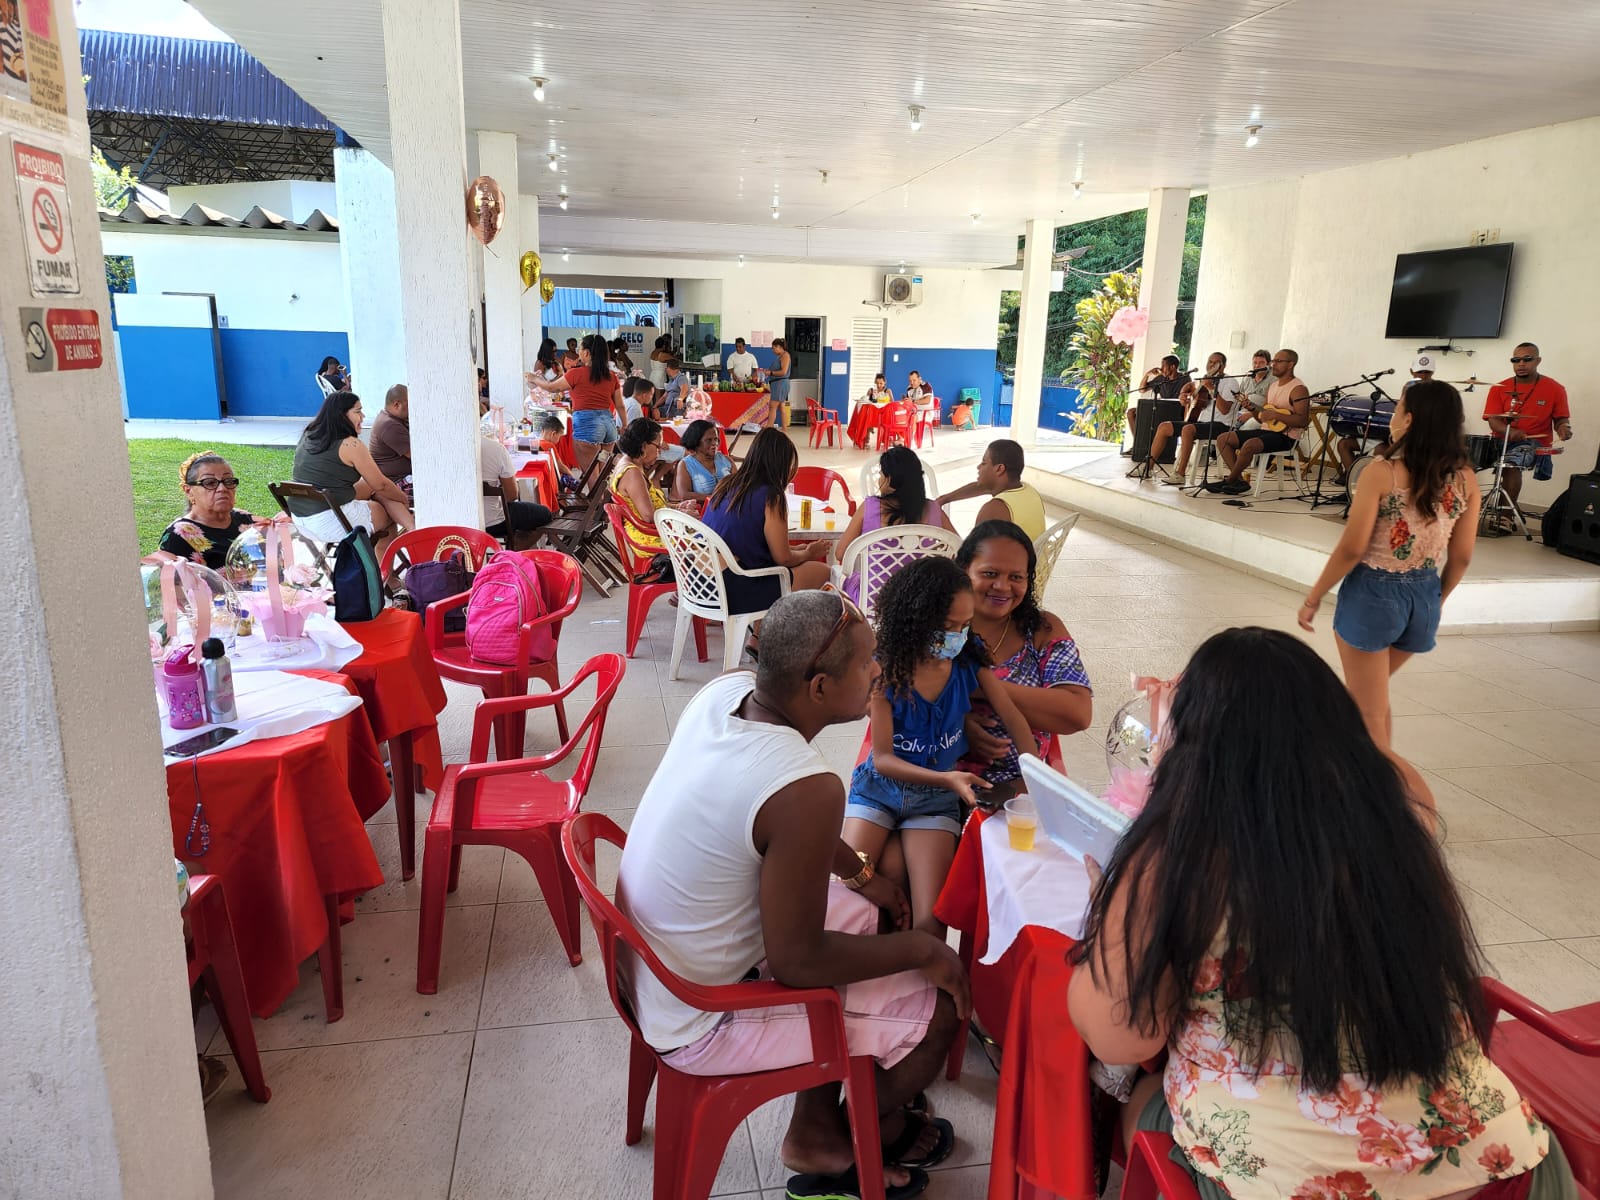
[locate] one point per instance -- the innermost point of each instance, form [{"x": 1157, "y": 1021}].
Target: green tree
[
  {"x": 1099, "y": 368},
  {"x": 113, "y": 189}
]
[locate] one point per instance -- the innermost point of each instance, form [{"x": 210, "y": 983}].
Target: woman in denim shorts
[
  {"x": 1407, "y": 544},
  {"x": 596, "y": 394}
]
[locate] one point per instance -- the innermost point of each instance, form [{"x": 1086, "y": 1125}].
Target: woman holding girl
[{"x": 1407, "y": 543}]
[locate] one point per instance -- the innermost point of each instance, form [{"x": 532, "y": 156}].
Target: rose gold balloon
[
  {"x": 547, "y": 289},
  {"x": 486, "y": 208},
  {"x": 529, "y": 264}
]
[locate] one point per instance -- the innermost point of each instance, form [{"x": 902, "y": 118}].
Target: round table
[
  {"x": 288, "y": 837},
  {"x": 864, "y": 422}
]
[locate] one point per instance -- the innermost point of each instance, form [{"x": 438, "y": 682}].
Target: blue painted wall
[
  {"x": 171, "y": 373},
  {"x": 836, "y": 388},
  {"x": 948, "y": 371},
  {"x": 1058, "y": 406},
  {"x": 271, "y": 372}
]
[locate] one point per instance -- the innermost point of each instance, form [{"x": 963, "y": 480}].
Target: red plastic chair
[
  {"x": 1551, "y": 1057},
  {"x": 562, "y": 581},
  {"x": 642, "y": 595},
  {"x": 516, "y": 805},
  {"x": 670, "y": 436},
  {"x": 439, "y": 542},
  {"x": 214, "y": 959},
  {"x": 823, "y": 422},
  {"x": 1150, "y": 1172},
  {"x": 818, "y": 483},
  {"x": 896, "y": 425},
  {"x": 927, "y": 420},
  {"x": 697, "y": 1114}
]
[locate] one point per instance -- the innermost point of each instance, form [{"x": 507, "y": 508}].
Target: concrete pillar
[
  {"x": 532, "y": 307},
  {"x": 99, "y": 1096},
  {"x": 502, "y": 279},
  {"x": 1165, "y": 226},
  {"x": 422, "y": 63},
  {"x": 1028, "y": 391},
  {"x": 371, "y": 266}
]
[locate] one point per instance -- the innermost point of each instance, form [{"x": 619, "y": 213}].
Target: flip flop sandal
[
  {"x": 896, "y": 1151},
  {"x": 921, "y": 1105},
  {"x": 848, "y": 1187}
]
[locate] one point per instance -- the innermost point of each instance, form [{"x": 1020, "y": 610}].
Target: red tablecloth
[
  {"x": 543, "y": 473},
  {"x": 864, "y": 423},
  {"x": 287, "y": 830},
  {"x": 1042, "y": 1134},
  {"x": 399, "y": 685},
  {"x": 728, "y": 409}
]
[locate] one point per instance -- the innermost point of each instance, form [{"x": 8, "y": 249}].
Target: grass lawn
[{"x": 158, "y": 500}]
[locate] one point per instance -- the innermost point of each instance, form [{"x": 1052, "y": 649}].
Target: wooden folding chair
[
  {"x": 289, "y": 490},
  {"x": 581, "y": 528}
]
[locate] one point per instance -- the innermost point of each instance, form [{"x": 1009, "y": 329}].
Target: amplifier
[
  {"x": 1580, "y": 525},
  {"x": 1149, "y": 415}
]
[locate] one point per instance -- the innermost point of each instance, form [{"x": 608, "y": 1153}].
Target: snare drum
[
  {"x": 1483, "y": 451},
  {"x": 1350, "y": 417}
]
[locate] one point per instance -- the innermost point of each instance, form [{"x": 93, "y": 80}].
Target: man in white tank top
[
  {"x": 734, "y": 869},
  {"x": 1286, "y": 412}
]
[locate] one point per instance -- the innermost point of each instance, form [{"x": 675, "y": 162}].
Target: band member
[
  {"x": 1422, "y": 368},
  {"x": 1536, "y": 405},
  {"x": 1163, "y": 383},
  {"x": 1212, "y": 400},
  {"x": 1285, "y": 413}
]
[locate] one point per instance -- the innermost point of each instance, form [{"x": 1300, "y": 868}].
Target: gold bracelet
[{"x": 862, "y": 877}]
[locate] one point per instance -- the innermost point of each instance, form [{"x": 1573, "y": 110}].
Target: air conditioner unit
[{"x": 902, "y": 289}]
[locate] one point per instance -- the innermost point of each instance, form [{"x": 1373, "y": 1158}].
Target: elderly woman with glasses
[{"x": 210, "y": 523}]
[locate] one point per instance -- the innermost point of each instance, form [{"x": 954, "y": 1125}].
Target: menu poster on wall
[
  {"x": 761, "y": 337},
  {"x": 33, "y": 87}
]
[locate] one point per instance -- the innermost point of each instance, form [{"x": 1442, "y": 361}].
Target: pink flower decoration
[
  {"x": 1128, "y": 324},
  {"x": 1129, "y": 789}
]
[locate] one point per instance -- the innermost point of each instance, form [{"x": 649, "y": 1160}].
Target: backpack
[
  {"x": 432, "y": 581},
  {"x": 506, "y": 594},
  {"x": 357, "y": 586}
]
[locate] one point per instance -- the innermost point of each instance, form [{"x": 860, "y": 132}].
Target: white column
[
  {"x": 502, "y": 280},
  {"x": 1165, "y": 226},
  {"x": 1028, "y": 391},
  {"x": 99, "y": 1096},
  {"x": 371, "y": 266},
  {"x": 422, "y": 62},
  {"x": 531, "y": 307}
]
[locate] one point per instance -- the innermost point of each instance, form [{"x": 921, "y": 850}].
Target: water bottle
[
  {"x": 218, "y": 672},
  {"x": 185, "y": 688}
]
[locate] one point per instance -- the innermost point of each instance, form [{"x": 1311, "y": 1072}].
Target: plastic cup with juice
[
  {"x": 1022, "y": 820},
  {"x": 827, "y": 519}
]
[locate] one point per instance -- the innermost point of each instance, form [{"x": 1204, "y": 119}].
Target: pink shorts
[{"x": 886, "y": 1018}]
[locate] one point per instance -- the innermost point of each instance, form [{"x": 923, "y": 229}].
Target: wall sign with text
[
  {"x": 62, "y": 339},
  {"x": 46, "y": 221}
]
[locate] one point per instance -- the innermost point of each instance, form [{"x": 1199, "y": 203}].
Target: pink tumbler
[{"x": 186, "y": 689}]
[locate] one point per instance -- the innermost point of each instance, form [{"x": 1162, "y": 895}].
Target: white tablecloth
[
  {"x": 273, "y": 704},
  {"x": 1044, "y": 886},
  {"x": 326, "y": 647}
]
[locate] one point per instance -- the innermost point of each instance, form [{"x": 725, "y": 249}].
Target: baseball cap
[{"x": 1424, "y": 362}]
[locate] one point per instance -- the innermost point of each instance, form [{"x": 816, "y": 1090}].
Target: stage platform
[{"x": 1513, "y": 586}]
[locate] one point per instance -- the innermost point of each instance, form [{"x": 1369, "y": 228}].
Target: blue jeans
[
  {"x": 1379, "y": 609},
  {"x": 597, "y": 426},
  {"x": 1525, "y": 456},
  {"x": 895, "y": 805}
]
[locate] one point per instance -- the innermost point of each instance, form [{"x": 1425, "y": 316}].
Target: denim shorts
[
  {"x": 597, "y": 426},
  {"x": 896, "y": 805},
  {"x": 1525, "y": 456},
  {"x": 1379, "y": 609}
]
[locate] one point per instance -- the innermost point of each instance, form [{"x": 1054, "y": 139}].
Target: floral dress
[
  {"x": 208, "y": 544},
  {"x": 1260, "y": 1133},
  {"x": 1055, "y": 664},
  {"x": 1403, "y": 540}
]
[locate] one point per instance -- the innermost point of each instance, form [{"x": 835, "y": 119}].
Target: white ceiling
[{"x": 697, "y": 113}]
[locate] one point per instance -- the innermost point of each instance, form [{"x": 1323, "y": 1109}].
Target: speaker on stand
[
  {"x": 1580, "y": 523},
  {"x": 1148, "y": 416}
]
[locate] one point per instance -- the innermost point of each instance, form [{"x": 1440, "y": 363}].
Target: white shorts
[{"x": 324, "y": 526}]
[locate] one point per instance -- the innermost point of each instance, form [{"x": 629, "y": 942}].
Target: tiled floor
[{"x": 510, "y": 1081}]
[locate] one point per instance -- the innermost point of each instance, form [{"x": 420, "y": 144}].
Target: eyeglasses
[
  {"x": 209, "y": 484},
  {"x": 1524, "y": 358},
  {"x": 848, "y": 612}
]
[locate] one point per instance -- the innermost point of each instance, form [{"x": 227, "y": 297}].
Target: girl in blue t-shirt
[{"x": 931, "y": 672}]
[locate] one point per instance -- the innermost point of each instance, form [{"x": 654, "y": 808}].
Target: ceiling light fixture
[
  {"x": 566, "y": 254},
  {"x": 916, "y": 116},
  {"x": 554, "y": 165},
  {"x": 538, "y": 88},
  {"x": 1251, "y": 142},
  {"x": 774, "y": 212},
  {"x": 976, "y": 217},
  {"x": 1077, "y": 189},
  {"x": 563, "y": 199},
  {"x": 741, "y": 260}
]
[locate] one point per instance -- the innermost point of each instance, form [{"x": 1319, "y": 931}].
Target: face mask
[{"x": 949, "y": 643}]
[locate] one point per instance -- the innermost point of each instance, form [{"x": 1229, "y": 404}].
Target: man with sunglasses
[
  {"x": 734, "y": 870},
  {"x": 1535, "y": 406}
]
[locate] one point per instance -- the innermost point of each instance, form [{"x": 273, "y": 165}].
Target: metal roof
[
  {"x": 562, "y": 310},
  {"x": 143, "y": 75},
  {"x": 258, "y": 219}
]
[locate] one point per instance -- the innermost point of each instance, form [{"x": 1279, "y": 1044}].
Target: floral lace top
[
  {"x": 1055, "y": 664},
  {"x": 208, "y": 544},
  {"x": 1265, "y": 1135},
  {"x": 1403, "y": 541}
]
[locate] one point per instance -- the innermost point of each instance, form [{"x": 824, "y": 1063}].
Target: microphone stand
[
  {"x": 1143, "y": 470},
  {"x": 1211, "y": 449}
]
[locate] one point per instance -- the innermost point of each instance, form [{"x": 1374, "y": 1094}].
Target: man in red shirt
[{"x": 1535, "y": 405}]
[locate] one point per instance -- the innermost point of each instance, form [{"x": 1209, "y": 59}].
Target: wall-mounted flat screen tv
[{"x": 1450, "y": 293}]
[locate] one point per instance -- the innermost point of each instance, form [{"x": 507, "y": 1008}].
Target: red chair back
[
  {"x": 670, "y": 436},
  {"x": 819, "y": 482},
  {"x": 634, "y": 559},
  {"x": 438, "y": 542},
  {"x": 561, "y": 580},
  {"x": 817, "y": 414}
]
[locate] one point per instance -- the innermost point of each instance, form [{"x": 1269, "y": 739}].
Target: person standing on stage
[
  {"x": 1536, "y": 406},
  {"x": 1163, "y": 382},
  {"x": 1210, "y": 400},
  {"x": 1286, "y": 412},
  {"x": 1408, "y": 542}
]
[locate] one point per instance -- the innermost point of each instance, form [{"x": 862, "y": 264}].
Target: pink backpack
[{"x": 505, "y": 596}]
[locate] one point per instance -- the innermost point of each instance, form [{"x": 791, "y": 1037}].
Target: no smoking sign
[{"x": 42, "y": 198}]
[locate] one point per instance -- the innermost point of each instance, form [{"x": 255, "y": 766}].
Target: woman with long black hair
[
  {"x": 331, "y": 455},
  {"x": 1280, "y": 919}
]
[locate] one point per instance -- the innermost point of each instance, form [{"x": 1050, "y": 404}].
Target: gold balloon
[
  {"x": 486, "y": 208},
  {"x": 547, "y": 289},
  {"x": 530, "y": 264}
]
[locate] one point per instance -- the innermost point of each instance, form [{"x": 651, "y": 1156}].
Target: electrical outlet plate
[{"x": 1236, "y": 340}]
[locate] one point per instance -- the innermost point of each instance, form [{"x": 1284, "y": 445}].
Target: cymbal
[{"x": 1467, "y": 382}]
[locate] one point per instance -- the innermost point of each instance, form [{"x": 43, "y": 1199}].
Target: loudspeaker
[
  {"x": 1148, "y": 415},
  {"x": 1580, "y": 525}
]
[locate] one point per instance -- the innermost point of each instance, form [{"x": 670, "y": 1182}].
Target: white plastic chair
[
  {"x": 1047, "y": 548},
  {"x": 1287, "y": 461},
  {"x": 324, "y": 385},
  {"x": 874, "y": 557},
  {"x": 699, "y": 557},
  {"x": 870, "y": 476}
]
